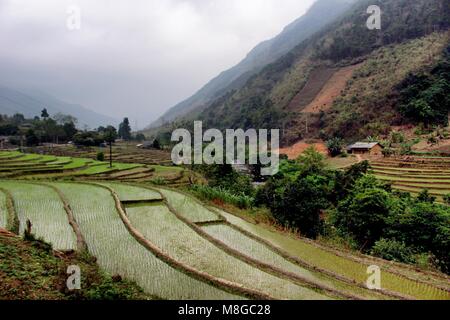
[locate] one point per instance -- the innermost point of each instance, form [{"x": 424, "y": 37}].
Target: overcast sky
[{"x": 133, "y": 58}]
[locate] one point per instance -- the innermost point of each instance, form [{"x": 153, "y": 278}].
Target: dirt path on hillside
[{"x": 332, "y": 89}]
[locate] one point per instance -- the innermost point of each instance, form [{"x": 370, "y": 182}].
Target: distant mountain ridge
[
  {"x": 321, "y": 13},
  {"x": 31, "y": 102}
]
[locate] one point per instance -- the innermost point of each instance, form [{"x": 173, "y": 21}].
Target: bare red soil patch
[
  {"x": 316, "y": 81},
  {"x": 294, "y": 151},
  {"x": 331, "y": 90}
]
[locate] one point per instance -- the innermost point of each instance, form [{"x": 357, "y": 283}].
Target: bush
[
  {"x": 241, "y": 201},
  {"x": 397, "y": 137},
  {"x": 447, "y": 199},
  {"x": 393, "y": 250},
  {"x": 425, "y": 227},
  {"x": 100, "y": 156},
  {"x": 335, "y": 146}
]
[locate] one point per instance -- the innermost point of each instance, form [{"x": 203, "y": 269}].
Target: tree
[
  {"x": 125, "y": 129},
  {"x": 425, "y": 196},
  {"x": 344, "y": 181},
  {"x": 63, "y": 119},
  {"x": 335, "y": 146},
  {"x": 101, "y": 129},
  {"x": 424, "y": 226},
  {"x": 110, "y": 136},
  {"x": 100, "y": 156},
  {"x": 156, "y": 144},
  {"x": 311, "y": 161},
  {"x": 70, "y": 130},
  {"x": 87, "y": 139},
  {"x": 365, "y": 212},
  {"x": 31, "y": 139},
  {"x": 44, "y": 114},
  {"x": 299, "y": 193},
  {"x": 18, "y": 119},
  {"x": 447, "y": 199},
  {"x": 140, "y": 137}
]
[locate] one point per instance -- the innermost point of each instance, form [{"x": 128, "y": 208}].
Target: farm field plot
[
  {"x": 132, "y": 193},
  {"x": 43, "y": 207},
  {"x": 179, "y": 241},
  {"x": 131, "y": 172},
  {"x": 119, "y": 253},
  {"x": 188, "y": 207},
  {"x": 413, "y": 177},
  {"x": 3, "y": 211},
  {"x": 416, "y": 174},
  {"x": 256, "y": 250},
  {"x": 32, "y": 166},
  {"x": 122, "y": 152},
  {"x": 409, "y": 170},
  {"x": 23, "y": 158},
  {"x": 327, "y": 260},
  {"x": 416, "y": 190}
]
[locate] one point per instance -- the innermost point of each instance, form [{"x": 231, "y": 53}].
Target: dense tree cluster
[
  {"x": 354, "y": 205},
  {"x": 425, "y": 97},
  {"x": 60, "y": 128}
]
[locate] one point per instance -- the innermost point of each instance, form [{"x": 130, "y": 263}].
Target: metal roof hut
[{"x": 366, "y": 148}]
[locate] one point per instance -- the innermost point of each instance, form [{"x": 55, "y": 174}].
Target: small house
[{"x": 366, "y": 148}]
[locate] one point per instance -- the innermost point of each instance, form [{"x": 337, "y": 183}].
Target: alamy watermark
[
  {"x": 74, "y": 280},
  {"x": 374, "y": 280},
  {"x": 233, "y": 149},
  {"x": 374, "y": 21},
  {"x": 73, "y": 21}
]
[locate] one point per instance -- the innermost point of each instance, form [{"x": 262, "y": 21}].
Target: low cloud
[{"x": 132, "y": 58}]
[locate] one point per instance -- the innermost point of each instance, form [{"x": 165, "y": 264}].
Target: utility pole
[
  {"x": 110, "y": 154},
  {"x": 306, "y": 122}
]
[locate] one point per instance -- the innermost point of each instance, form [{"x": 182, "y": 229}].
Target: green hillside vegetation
[
  {"x": 424, "y": 97},
  {"x": 354, "y": 206}
]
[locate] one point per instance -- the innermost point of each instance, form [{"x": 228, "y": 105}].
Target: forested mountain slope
[
  {"x": 412, "y": 41},
  {"x": 320, "y": 14}
]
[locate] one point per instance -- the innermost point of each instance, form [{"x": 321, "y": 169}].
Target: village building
[{"x": 366, "y": 148}]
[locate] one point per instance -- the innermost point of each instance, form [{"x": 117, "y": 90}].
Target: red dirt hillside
[
  {"x": 331, "y": 90},
  {"x": 293, "y": 152}
]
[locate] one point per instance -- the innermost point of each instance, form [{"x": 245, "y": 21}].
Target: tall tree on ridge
[{"x": 125, "y": 129}]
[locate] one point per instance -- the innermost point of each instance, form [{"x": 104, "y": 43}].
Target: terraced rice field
[
  {"x": 189, "y": 207},
  {"x": 131, "y": 193},
  {"x": 119, "y": 253},
  {"x": 122, "y": 152},
  {"x": 3, "y": 211},
  {"x": 177, "y": 240},
  {"x": 43, "y": 207},
  {"x": 262, "y": 253},
  {"x": 201, "y": 243},
  {"x": 341, "y": 265},
  {"x": 415, "y": 174},
  {"x": 34, "y": 166}
]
